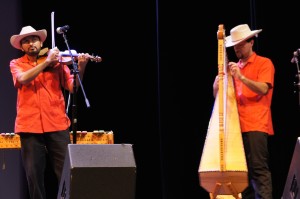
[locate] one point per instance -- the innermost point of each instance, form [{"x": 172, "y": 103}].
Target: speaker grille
[{"x": 105, "y": 171}]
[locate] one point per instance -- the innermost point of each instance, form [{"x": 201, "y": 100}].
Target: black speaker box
[
  {"x": 13, "y": 183},
  {"x": 98, "y": 171},
  {"x": 292, "y": 185}
]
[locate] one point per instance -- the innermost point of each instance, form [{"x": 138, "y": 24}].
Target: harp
[{"x": 223, "y": 168}]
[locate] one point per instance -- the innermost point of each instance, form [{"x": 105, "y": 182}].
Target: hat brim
[
  {"x": 229, "y": 42},
  {"x": 15, "y": 40}
]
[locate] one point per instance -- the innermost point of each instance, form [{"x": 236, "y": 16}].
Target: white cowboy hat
[
  {"x": 240, "y": 33},
  {"x": 15, "y": 40}
]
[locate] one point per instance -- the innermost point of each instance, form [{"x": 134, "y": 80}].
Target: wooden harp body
[{"x": 223, "y": 167}]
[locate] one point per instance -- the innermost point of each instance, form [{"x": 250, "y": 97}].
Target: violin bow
[
  {"x": 52, "y": 29},
  {"x": 45, "y": 50},
  {"x": 53, "y": 45}
]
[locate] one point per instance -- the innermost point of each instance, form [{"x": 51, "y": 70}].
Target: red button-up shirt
[
  {"x": 40, "y": 103},
  {"x": 254, "y": 109}
]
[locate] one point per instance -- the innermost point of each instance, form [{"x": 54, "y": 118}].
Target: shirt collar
[{"x": 243, "y": 64}]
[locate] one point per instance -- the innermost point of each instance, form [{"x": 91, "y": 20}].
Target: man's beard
[
  {"x": 33, "y": 53},
  {"x": 239, "y": 55}
]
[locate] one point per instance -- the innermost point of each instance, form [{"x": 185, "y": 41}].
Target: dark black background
[{"x": 153, "y": 88}]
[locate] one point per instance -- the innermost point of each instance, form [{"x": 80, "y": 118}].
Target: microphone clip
[
  {"x": 295, "y": 57},
  {"x": 63, "y": 29}
]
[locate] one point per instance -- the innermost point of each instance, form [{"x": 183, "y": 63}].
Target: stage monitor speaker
[
  {"x": 292, "y": 185},
  {"x": 98, "y": 171},
  {"x": 13, "y": 183}
]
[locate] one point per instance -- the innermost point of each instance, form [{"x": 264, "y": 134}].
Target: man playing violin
[{"x": 41, "y": 120}]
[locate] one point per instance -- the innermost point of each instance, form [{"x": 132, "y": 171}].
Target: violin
[{"x": 66, "y": 57}]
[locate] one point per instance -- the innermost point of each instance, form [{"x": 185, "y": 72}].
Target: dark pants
[
  {"x": 257, "y": 156},
  {"x": 35, "y": 148}
]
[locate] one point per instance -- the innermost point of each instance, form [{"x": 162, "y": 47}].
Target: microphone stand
[
  {"x": 298, "y": 75},
  {"x": 75, "y": 72}
]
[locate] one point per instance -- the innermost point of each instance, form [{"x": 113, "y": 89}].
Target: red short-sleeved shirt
[
  {"x": 254, "y": 109},
  {"x": 40, "y": 103}
]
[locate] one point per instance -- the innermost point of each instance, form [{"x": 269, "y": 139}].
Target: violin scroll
[{"x": 95, "y": 58}]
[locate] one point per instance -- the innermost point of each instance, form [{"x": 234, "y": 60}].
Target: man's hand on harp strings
[
  {"x": 235, "y": 70},
  {"x": 216, "y": 86}
]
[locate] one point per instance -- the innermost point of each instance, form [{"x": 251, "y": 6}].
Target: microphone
[
  {"x": 295, "y": 57},
  {"x": 61, "y": 30}
]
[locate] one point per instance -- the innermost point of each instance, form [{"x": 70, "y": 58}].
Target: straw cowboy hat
[
  {"x": 240, "y": 33},
  {"x": 15, "y": 40}
]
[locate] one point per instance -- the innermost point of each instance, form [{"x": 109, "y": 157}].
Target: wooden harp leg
[
  {"x": 214, "y": 194},
  {"x": 233, "y": 191},
  {"x": 226, "y": 197},
  {"x": 231, "y": 188}
]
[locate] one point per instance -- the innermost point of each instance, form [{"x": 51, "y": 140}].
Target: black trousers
[
  {"x": 257, "y": 157},
  {"x": 35, "y": 150}
]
